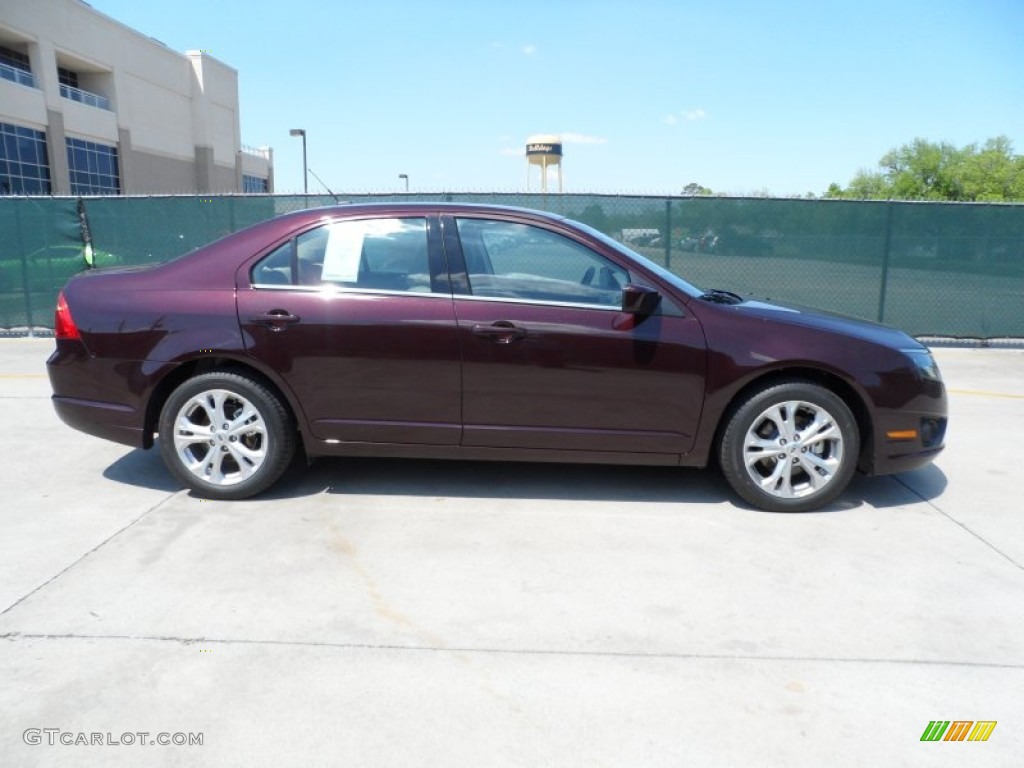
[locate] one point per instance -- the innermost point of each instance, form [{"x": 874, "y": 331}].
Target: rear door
[
  {"x": 356, "y": 316},
  {"x": 550, "y": 360}
]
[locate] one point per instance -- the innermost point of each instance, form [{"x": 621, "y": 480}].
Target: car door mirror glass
[{"x": 639, "y": 299}]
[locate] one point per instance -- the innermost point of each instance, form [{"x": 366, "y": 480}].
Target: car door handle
[
  {"x": 275, "y": 319},
  {"x": 501, "y": 332}
]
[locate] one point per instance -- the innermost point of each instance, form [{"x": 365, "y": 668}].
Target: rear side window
[
  {"x": 366, "y": 254},
  {"x": 275, "y": 268}
]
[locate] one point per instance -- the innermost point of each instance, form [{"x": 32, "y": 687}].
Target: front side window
[
  {"x": 365, "y": 254},
  {"x": 506, "y": 260}
]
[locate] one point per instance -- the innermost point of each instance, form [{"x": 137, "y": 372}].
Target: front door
[{"x": 550, "y": 361}]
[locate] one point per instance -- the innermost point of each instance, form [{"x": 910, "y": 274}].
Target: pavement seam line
[
  {"x": 952, "y": 519},
  {"x": 15, "y": 636},
  {"x": 103, "y": 543},
  {"x": 983, "y": 393}
]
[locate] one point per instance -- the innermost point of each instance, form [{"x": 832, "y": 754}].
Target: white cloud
[
  {"x": 689, "y": 115},
  {"x": 582, "y": 138},
  {"x": 529, "y": 49},
  {"x": 512, "y": 152}
]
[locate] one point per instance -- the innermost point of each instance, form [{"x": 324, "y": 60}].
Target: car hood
[{"x": 809, "y": 317}]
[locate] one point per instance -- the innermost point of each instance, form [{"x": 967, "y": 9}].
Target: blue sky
[{"x": 649, "y": 95}]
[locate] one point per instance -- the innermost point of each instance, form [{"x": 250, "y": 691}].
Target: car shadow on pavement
[
  {"x": 144, "y": 469},
  {"x": 572, "y": 482},
  {"x": 927, "y": 483},
  {"x": 920, "y": 485},
  {"x": 524, "y": 480},
  {"x": 518, "y": 480}
]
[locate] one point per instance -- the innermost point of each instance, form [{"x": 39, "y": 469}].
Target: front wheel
[
  {"x": 226, "y": 436},
  {"x": 790, "y": 447}
]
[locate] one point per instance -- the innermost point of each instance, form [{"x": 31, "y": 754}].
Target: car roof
[
  {"x": 220, "y": 258},
  {"x": 395, "y": 206}
]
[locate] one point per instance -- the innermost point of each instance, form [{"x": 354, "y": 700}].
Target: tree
[
  {"x": 924, "y": 170},
  {"x": 694, "y": 188}
]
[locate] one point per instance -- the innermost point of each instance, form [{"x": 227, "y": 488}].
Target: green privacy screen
[{"x": 933, "y": 269}]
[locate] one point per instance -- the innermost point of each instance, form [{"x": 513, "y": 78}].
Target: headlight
[{"x": 924, "y": 362}]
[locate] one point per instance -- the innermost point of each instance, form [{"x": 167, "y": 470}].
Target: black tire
[
  {"x": 810, "y": 447},
  {"x": 234, "y": 463}
]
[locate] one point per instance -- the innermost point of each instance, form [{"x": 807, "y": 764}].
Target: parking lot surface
[{"x": 415, "y": 613}]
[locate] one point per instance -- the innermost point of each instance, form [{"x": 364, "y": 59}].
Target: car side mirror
[{"x": 639, "y": 299}]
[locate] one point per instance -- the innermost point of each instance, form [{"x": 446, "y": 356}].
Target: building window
[
  {"x": 254, "y": 184},
  {"x": 14, "y": 66},
  {"x": 24, "y": 164},
  {"x": 14, "y": 59},
  {"x": 93, "y": 168},
  {"x": 67, "y": 77},
  {"x": 70, "y": 89}
]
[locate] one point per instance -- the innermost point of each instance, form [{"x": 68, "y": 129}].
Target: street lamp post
[
  {"x": 305, "y": 168},
  {"x": 406, "y": 177}
]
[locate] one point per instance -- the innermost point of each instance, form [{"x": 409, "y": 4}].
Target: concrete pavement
[{"x": 393, "y": 613}]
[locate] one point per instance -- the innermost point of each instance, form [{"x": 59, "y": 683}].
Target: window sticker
[{"x": 343, "y": 254}]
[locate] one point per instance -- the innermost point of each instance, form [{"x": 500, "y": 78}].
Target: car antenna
[{"x": 336, "y": 200}]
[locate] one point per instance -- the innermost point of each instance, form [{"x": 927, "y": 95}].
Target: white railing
[
  {"x": 85, "y": 97},
  {"x": 262, "y": 152},
  {"x": 15, "y": 75}
]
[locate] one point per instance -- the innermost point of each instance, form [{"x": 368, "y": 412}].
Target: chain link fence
[{"x": 933, "y": 269}]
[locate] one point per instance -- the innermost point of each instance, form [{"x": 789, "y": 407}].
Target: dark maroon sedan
[{"x": 461, "y": 331}]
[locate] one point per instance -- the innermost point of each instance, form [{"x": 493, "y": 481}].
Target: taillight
[{"x": 63, "y": 325}]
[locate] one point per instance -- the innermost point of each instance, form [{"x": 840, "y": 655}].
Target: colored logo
[{"x": 958, "y": 730}]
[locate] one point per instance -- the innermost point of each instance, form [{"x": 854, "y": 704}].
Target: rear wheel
[
  {"x": 226, "y": 436},
  {"x": 790, "y": 447}
]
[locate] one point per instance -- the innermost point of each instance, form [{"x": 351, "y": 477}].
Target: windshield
[{"x": 669, "y": 277}]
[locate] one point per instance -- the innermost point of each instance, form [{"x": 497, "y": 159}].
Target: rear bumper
[
  {"x": 104, "y": 398},
  {"x": 110, "y": 421}
]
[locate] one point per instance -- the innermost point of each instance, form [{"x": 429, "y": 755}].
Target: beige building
[{"x": 90, "y": 106}]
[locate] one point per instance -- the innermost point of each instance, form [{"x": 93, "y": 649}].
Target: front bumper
[
  {"x": 896, "y": 451},
  {"x": 909, "y": 436}
]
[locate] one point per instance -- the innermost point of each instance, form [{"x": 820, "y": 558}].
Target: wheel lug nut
[
  {"x": 782, "y": 456},
  {"x": 796, "y": 460},
  {"x": 233, "y": 439},
  {"x": 803, "y": 450},
  {"x": 210, "y": 442},
  {"x": 225, "y": 426},
  {"x": 782, "y": 441}
]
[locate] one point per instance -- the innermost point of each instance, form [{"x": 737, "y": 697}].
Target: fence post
[
  {"x": 668, "y": 233},
  {"x": 885, "y": 261},
  {"x": 26, "y": 285}
]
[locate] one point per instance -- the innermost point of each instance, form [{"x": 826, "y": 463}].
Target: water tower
[{"x": 544, "y": 150}]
